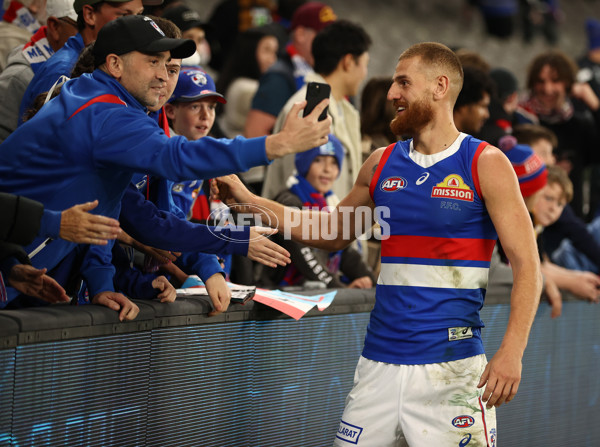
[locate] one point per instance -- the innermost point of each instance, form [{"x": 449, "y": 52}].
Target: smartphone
[{"x": 315, "y": 93}]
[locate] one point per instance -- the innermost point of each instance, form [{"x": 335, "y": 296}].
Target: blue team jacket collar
[
  {"x": 105, "y": 78},
  {"x": 76, "y": 41}
]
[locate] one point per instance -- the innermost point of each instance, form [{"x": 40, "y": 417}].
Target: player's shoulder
[
  {"x": 376, "y": 156},
  {"x": 492, "y": 156},
  {"x": 371, "y": 164}
]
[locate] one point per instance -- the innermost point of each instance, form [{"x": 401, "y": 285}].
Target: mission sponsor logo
[
  {"x": 453, "y": 187},
  {"x": 392, "y": 184}
]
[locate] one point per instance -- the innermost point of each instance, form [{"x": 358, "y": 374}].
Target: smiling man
[
  {"x": 423, "y": 378},
  {"x": 571, "y": 110},
  {"x": 91, "y": 139},
  {"x": 92, "y": 15}
]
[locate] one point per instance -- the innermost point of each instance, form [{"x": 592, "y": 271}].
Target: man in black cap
[
  {"x": 86, "y": 143},
  {"x": 92, "y": 15}
]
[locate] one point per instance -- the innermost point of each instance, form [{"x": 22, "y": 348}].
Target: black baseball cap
[
  {"x": 185, "y": 18},
  {"x": 137, "y": 33},
  {"x": 78, "y": 4}
]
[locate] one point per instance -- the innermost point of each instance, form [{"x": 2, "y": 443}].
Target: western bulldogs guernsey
[{"x": 434, "y": 265}]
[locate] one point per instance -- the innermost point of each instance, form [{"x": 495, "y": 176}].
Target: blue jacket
[
  {"x": 86, "y": 143},
  {"x": 195, "y": 262},
  {"x": 60, "y": 64},
  {"x": 21, "y": 220},
  {"x": 173, "y": 233}
]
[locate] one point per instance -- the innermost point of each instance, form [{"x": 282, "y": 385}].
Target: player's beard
[{"x": 414, "y": 118}]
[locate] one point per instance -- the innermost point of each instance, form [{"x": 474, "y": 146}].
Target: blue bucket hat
[
  {"x": 194, "y": 84},
  {"x": 333, "y": 147}
]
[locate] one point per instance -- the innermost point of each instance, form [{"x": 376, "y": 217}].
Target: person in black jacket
[
  {"x": 317, "y": 169},
  {"x": 22, "y": 219}
]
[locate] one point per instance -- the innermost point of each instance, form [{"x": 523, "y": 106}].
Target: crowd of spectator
[{"x": 85, "y": 128}]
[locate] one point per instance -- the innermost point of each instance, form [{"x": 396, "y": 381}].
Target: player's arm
[
  {"x": 505, "y": 205},
  {"x": 337, "y": 229}
]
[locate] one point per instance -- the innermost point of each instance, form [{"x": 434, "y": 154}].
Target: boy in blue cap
[
  {"x": 317, "y": 169},
  {"x": 191, "y": 113}
]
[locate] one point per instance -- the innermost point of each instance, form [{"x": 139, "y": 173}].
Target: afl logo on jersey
[
  {"x": 392, "y": 184},
  {"x": 453, "y": 187}
]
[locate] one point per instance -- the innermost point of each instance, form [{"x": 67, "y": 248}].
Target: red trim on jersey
[
  {"x": 474, "y": 172},
  {"x": 487, "y": 441},
  {"x": 382, "y": 160},
  {"x": 201, "y": 207},
  {"x": 112, "y": 99},
  {"x": 429, "y": 247},
  {"x": 163, "y": 122}
]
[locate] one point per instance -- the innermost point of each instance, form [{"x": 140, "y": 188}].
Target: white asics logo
[{"x": 422, "y": 179}]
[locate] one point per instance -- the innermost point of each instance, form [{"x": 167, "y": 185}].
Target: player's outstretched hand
[
  {"x": 230, "y": 190},
  {"x": 264, "y": 250},
  {"x": 219, "y": 293},
  {"x": 127, "y": 309},
  {"x": 501, "y": 378},
  {"x": 34, "y": 282},
  {"x": 80, "y": 226}
]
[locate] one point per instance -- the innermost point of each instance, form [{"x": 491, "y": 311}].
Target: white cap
[{"x": 61, "y": 8}]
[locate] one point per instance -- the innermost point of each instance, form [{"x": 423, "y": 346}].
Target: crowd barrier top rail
[{"x": 66, "y": 322}]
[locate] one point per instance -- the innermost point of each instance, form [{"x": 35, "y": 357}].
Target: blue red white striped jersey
[{"x": 435, "y": 262}]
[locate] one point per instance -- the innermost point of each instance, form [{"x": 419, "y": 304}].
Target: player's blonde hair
[{"x": 441, "y": 60}]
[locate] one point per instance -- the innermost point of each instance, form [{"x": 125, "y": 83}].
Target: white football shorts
[{"x": 429, "y": 405}]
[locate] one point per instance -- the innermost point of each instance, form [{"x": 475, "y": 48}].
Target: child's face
[
  {"x": 193, "y": 120},
  {"x": 323, "y": 172},
  {"x": 549, "y": 204},
  {"x": 543, "y": 149}
]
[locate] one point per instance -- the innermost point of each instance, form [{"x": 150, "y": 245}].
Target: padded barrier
[{"x": 75, "y": 376}]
